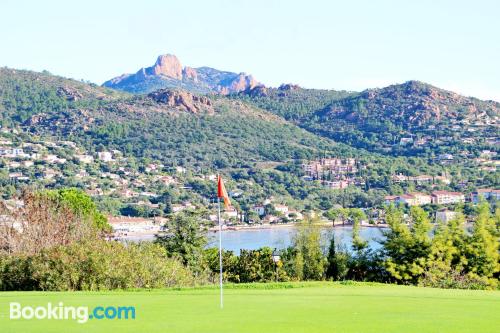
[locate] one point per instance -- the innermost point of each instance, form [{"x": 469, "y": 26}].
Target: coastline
[
  {"x": 290, "y": 225},
  {"x": 256, "y": 227}
]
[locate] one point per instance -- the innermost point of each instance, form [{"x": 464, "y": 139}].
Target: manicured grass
[{"x": 290, "y": 308}]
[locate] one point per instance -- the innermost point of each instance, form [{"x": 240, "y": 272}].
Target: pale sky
[{"x": 351, "y": 45}]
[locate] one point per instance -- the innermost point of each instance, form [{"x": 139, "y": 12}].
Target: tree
[
  {"x": 82, "y": 205},
  {"x": 259, "y": 266},
  {"x": 482, "y": 248},
  {"x": 186, "y": 239},
  {"x": 334, "y": 214},
  {"x": 356, "y": 215},
  {"x": 44, "y": 221},
  {"x": 421, "y": 225},
  {"x": 445, "y": 264},
  {"x": 270, "y": 210},
  {"x": 309, "y": 259},
  {"x": 337, "y": 262},
  {"x": 398, "y": 241},
  {"x": 230, "y": 264}
]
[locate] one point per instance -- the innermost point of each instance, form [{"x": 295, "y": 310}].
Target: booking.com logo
[{"x": 61, "y": 312}]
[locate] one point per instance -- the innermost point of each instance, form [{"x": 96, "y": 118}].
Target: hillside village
[
  {"x": 288, "y": 152},
  {"x": 140, "y": 189}
]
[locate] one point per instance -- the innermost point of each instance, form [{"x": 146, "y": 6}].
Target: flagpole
[{"x": 220, "y": 255}]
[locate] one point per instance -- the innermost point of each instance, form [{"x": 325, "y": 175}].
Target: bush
[
  {"x": 258, "y": 266},
  {"x": 249, "y": 266},
  {"x": 97, "y": 265},
  {"x": 455, "y": 280},
  {"x": 229, "y": 265}
]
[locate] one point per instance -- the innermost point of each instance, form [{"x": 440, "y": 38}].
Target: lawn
[{"x": 305, "y": 307}]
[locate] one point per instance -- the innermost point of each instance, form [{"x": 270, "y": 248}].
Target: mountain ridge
[
  {"x": 376, "y": 120},
  {"x": 419, "y": 104},
  {"x": 167, "y": 72}
]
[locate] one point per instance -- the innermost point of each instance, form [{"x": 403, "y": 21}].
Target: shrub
[
  {"x": 97, "y": 265},
  {"x": 455, "y": 280}
]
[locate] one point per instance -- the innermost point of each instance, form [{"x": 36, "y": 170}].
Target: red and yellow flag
[{"x": 222, "y": 193}]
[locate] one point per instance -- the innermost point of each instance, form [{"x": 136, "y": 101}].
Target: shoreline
[
  {"x": 258, "y": 227},
  {"x": 291, "y": 225}
]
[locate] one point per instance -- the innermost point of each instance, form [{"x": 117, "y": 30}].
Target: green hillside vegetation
[
  {"x": 381, "y": 117},
  {"x": 377, "y": 119},
  {"x": 291, "y": 101},
  {"x": 25, "y": 93},
  {"x": 235, "y": 134}
]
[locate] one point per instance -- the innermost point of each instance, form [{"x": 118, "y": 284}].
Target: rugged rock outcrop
[
  {"x": 289, "y": 87},
  {"x": 190, "y": 73},
  {"x": 182, "y": 100},
  {"x": 69, "y": 93},
  {"x": 258, "y": 91},
  {"x": 167, "y": 65},
  {"x": 242, "y": 82}
]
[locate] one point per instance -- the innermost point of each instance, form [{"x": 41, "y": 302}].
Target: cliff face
[
  {"x": 182, "y": 100},
  {"x": 167, "y": 65},
  {"x": 167, "y": 72}
]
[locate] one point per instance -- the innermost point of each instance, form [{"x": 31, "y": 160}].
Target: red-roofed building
[{"x": 411, "y": 199}]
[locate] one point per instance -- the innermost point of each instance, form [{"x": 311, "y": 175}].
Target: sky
[{"x": 343, "y": 45}]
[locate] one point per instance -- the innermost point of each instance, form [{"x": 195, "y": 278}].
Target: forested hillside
[
  {"x": 410, "y": 119},
  {"x": 177, "y": 128},
  {"x": 262, "y": 138}
]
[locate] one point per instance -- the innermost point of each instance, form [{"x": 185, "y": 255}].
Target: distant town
[{"x": 110, "y": 174}]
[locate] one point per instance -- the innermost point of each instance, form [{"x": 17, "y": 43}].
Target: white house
[
  {"x": 446, "y": 197},
  {"x": 405, "y": 141},
  {"x": 126, "y": 224},
  {"x": 444, "y": 216},
  {"x": 230, "y": 213},
  {"x": 281, "y": 208},
  {"x": 411, "y": 199},
  {"x": 105, "y": 156},
  {"x": 180, "y": 169},
  {"x": 259, "y": 210},
  {"x": 421, "y": 199},
  {"x": 85, "y": 158}
]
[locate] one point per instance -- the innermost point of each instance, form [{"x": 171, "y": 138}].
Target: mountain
[
  {"x": 291, "y": 101},
  {"x": 167, "y": 72},
  {"x": 24, "y": 94},
  {"x": 260, "y": 137},
  {"x": 381, "y": 119},
  {"x": 384, "y": 119},
  {"x": 168, "y": 125},
  {"x": 411, "y": 104}
]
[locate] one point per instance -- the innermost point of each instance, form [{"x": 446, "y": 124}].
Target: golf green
[{"x": 302, "y": 307}]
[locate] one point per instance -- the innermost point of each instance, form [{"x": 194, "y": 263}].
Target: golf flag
[{"x": 222, "y": 193}]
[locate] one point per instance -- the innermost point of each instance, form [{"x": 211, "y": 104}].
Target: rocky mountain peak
[
  {"x": 167, "y": 65},
  {"x": 167, "y": 72},
  {"x": 243, "y": 82},
  {"x": 238, "y": 83},
  {"x": 190, "y": 73}
]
